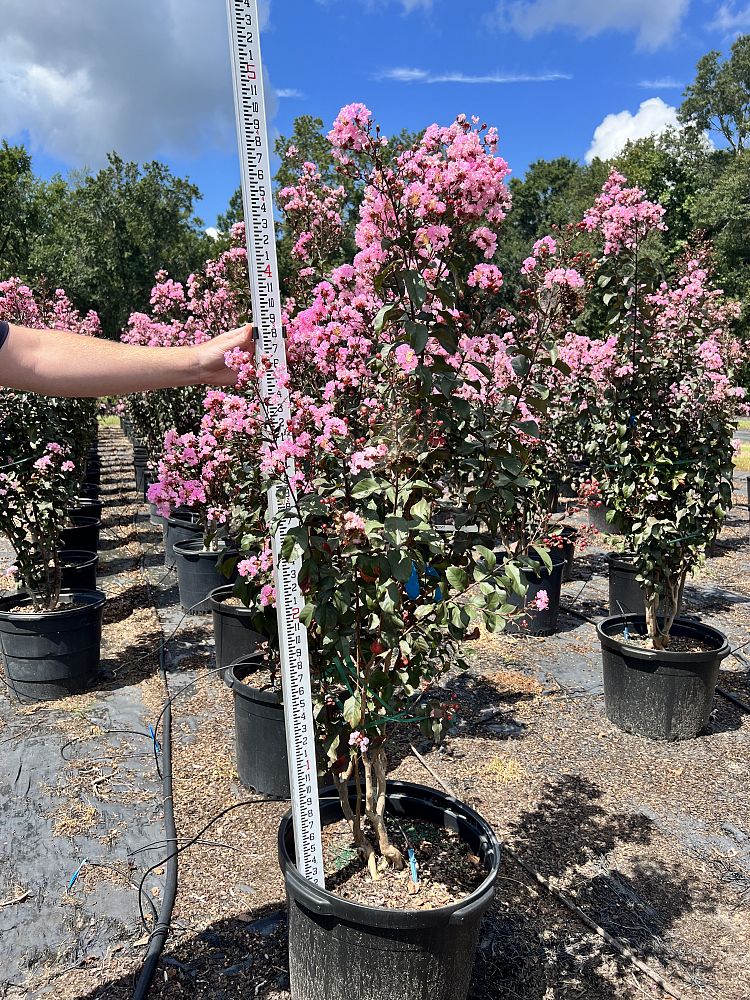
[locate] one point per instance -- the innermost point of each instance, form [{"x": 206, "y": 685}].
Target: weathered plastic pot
[
  {"x": 83, "y": 534},
  {"x": 626, "y": 595},
  {"x": 598, "y": 519},
  {"x": 568, "y": 537},
  {"x": 343, "y": 950},
  {"x": 86, "y": 507},
  {"x": 234, "y": 636},
  {"x": 90, "y": 490},
  {"x": 539, "y": 621},
  {"x": 78, "y": 569},
  {"x": 182, "y": 526},
  {"x": 140, "y": 462},
  {"x": 656, "y": 693},
  {"x": 51, "y": 654},
  {"x": 259, "y": 731},
  {"x": 198, "y": 574}
]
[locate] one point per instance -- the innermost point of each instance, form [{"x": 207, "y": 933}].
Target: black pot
[
  {"x": 140, "y": 461},
  {"x": 259, "y": 731},
  {"x": 343, "y": 950},
  {"x": 78, "y": 569},
  {"x": 567, "y": 548},
  {"x": 93, "y": 472},
  {"x": 657, "y": 693},
  {"x": 53, "y": 654},
  {"x": 83, "y": 535},
  {"x": 182, "y": 526},
  {"x": 234, "y": 636},
  {"x": 626, "y": 595},
  {"x": 198, "y": 574},
  {"x": 86, "y": 507},
  {"x": 89, "y": 490},
  {"x": 538, "y": 622},
  {"x": 598, "y": 520},
  {"x": 154, "y": 516}
]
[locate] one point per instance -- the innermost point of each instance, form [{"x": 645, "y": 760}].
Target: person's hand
[{"x": 211, "y": 369}]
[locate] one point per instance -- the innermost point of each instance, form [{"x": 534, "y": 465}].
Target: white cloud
[
  {"x": 655, "y": 21},
  {"x": 406, "y": 74},
  {"x": 652, "y": 117},
  {"x": 213, "y": 232},
  {"x": 146, "y": 77},
  {"x": 285, "y": 92},
  {"x": 662, "y": 83},
  {"x": 730, "y": 19}
]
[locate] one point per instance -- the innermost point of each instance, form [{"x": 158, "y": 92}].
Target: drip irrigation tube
[{"x": 161, "y": 930}]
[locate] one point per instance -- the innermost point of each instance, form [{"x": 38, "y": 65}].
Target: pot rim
[
  {"x": 673, "y": 657},
  {"x": 239, "y": 687},
  {"x": 217, "y": 597},
  {"x": 90, "y": 556},
  {"x": 175, "y": 521},
  {"x": 94, "y": 599},
  {"x": 188, "y": 547},
  {"x": 325, "y": 902},
  {"x": 81, "y": 521}
]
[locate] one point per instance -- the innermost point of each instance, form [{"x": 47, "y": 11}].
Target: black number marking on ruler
[{"x": 252, "y": 136}]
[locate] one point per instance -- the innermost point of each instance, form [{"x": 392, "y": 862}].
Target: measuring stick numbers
[{"x": 252, "y": 135}]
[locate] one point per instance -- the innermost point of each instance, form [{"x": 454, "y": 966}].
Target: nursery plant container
[
  {"x": 86, "y": 507},
  {"x": 93, "y": 471},
  {"x": 341, "y": 949},
  {"x": 182, "y": 526},
  {"x": 598, "y": 519},
  {"x": 51, "y": 654},
  {"x": 140, "y": 461},
  {"x": 568, "y": 549},
  {"x": 198, "y": 574},
  {"x": 539, "y": 622},
  {"x": 259, "y": 730},
  {"x": 626, "y": 595},
  {"x": 234, "y": 636},
  {"x": 78, "y": 569},
  {"x": 659, "y": 693},
  {"x": 90, "y": 490},
  {"x": 83, "y": 534}
]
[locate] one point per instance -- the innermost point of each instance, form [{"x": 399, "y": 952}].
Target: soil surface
[
  {"x": 446, "y": 868},
  {"x": 651, "y": 841},
  {"x": 675, "y": 643}
]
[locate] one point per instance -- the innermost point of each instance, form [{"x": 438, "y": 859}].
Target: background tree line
[{"x": 102, "y": 236}]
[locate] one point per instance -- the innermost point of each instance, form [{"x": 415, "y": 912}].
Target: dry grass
[{"x": 742, "y": 458}]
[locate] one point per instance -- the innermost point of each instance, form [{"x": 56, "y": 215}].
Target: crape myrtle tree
[
  {"x": 43, "y": 451},
  {"x": 661, "y": 433},
  {"x": 412, "y": 389}
]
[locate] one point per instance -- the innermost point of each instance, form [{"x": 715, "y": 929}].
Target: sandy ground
[{"x": 650, "y": 840}]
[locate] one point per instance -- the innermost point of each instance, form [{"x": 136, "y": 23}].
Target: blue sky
[{"x": 151, "y": 77}]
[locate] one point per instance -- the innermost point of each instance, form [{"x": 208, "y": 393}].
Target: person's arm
[{"x": 58, "y": 363}]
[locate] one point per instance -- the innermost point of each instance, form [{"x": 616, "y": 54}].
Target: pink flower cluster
[{"x": 623, "y": 215}]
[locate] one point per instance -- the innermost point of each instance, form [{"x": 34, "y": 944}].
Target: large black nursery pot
[
  {"x": 259, "y": 730},
  {"x": 198, "y": 574},
  {"x": 535, "y": 621},
  {"x": 182, "y": 526},
  {"x": 568, "y": 537},
  {"x": 626, "y": 595},
  {"x": 51, "y": 654},
  {"x": 140, "y": 461},
  {"x": 83, "y": 534},
  {"x": 90, "y": 490},
  {"x": 343, "y": 950},
  {"x": 657, "y": 693},
  {"x": 234, "y": 636},
  {"x": 598, "y": 519},
  {"x": 86, "y": 507},
  {"x": 78, "y": 569}
]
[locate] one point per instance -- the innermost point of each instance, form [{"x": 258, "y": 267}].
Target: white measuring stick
[{"x": 252, "y": 135}]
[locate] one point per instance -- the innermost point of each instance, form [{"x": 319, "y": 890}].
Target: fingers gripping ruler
[{"x": 252, "y": 135}]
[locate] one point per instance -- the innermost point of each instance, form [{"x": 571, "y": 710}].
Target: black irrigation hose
[{"x": 160, "y": 931}]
